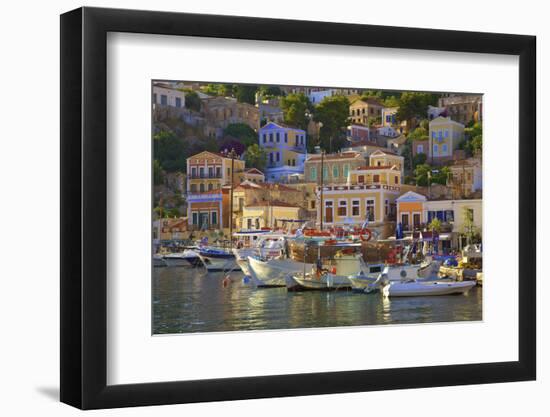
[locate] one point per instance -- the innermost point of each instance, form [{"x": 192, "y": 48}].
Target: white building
[
  {"x": 317, "y": 96},
  {"x": 166, "y": 95}
]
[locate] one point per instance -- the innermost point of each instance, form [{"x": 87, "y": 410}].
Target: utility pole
[
  {"x": 232, "y": 154},
  {"x": 322, "y": 184}
]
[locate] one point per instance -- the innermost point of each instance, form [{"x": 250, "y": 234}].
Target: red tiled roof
[
  {"x": 254, "y": 171},
  {"x": 365, "y": 143},
  {"x": 274, "y": 203}
]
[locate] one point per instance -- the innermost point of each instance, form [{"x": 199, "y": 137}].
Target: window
[
  {"x": 178, "y": 102},
  {"x": 355, "y": 207},
  {"x": 210, "y": 172},
  {"x": 386, "y": 207},
  {"x": 312, "y": 205},
  {"x": 195, "y": 218},
  {"x": 376, "y": 178},
  {"x": 193, "y": 188},
  {"x": 264, "y": 137},
  {"x": 325, "y": 173},
  {"x": 271, "y": 137},
  {"x": 286, "y": 137},
  {"x": 163, "y": 99},
  {"x": 201, "y": 188},
  {"x": 370, "y": 210},
  {"x": 346, "y": 170},
  {"x": 214, "y": 217},
  {"x": 277, "y": 137},
  {"x": 210, "y": 186},
  {"x": 419, "y": 148},
  {"x": 435, "y": 152},
  {"x": 218, "y": 172},
  {"x": 396, "y": 179},
  {"x": 278, "y": 156},
  {"x": 335, "y": 171},
  {"x": 193, "y": 172},
  {"x": 201, "y": 172},
  {"x": 446, "y": 133},
  {"x": 343, "y": 208},
  {"x": 249, "y": 224},
  {"x": 361, "y": 179},
  {"x": 228, "y": 172},
  {"x": 440, "y": 134},
  {"x": 444, "y": 149},
  {"x": 433, "y": 135}
]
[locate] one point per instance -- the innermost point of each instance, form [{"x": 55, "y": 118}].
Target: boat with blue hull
[{"x": 216, "y": 259}]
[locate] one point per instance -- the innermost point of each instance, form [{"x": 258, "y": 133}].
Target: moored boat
[
  {"x": 215, "y": 259},
  {"x": 426, "y": 288},
  {"x": 158, "y": 260},
  {"x": 188, "y": 257},
  {"x": 274, "y": 272}
]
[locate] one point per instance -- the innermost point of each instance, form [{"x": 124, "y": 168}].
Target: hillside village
[{"x": 246, "y": 157}]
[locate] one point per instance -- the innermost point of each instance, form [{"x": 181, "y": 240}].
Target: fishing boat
[
  {"x": 215, "y": 259},
  {"x": 332, "y": 275},
  {"x": 273, "y": 272},
  {"x": 426, "y": 288},
  {"x": 188, "y": 257},
  {"x": 427, "y": 271}
]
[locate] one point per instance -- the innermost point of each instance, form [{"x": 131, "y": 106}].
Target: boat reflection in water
[{"x": 187, "y": 300}]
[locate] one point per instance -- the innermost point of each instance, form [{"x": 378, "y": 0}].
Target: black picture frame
[{"x": 84, "y": 207}]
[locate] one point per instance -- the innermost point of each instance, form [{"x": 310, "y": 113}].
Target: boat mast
[
  {"x": 322, "y": 185},
  {"x": 232, "y": 154}
]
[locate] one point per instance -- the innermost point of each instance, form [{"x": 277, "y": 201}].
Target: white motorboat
[
  {"x": 273, "y": 272},
  {"x": 215, "y": 259},
  {"x": 395, "y": 273},
  {"x": 426, "y": 288},
  {"x": 188, "y": 257},
  {"x": 158, "y": 260}
]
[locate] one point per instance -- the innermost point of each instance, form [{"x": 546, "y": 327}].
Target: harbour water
[{"x": 190, "y": 300}]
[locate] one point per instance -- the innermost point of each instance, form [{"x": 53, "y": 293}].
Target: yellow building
[
  {"x": 252, "y": 175},
  {"x": 336, "y": 167},
  {"x": 445, "y": 135},
  {"x": 369, "y": 195},
  {"x": 207, "y": 174},
  {"x": 360, "y": 111},
  {"x": 380, "y": 158},
  {"x": 271, "y": 215}
]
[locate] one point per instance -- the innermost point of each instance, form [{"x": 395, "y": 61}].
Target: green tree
[
  {"x": 170, "y": 151},
  {"x": 420, "y": 133},
  {"x": 242, "y": 132},
  {"x": 474, "y": 139},
  {"x": 414, "y": 105},
  {"x": 255, "y": 157},
  {"x": 158, "y": 177},
  {"x": 333, "y": 113},
  {"x": 419, "y": 159},
  {"x": 391, "y": 101},
  {"x": 192, "y": 100},
  {"x": 245, "y": 93},
  {"x": 268, "y": 91},
  {"x": 435, "y": 225},
  {"x": 296, "y": 108}
]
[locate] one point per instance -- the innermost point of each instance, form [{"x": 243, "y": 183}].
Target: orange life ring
[{"x": 364, "y": 232}]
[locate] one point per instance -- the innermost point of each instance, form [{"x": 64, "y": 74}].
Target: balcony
[{"x": 205, "y": 176}]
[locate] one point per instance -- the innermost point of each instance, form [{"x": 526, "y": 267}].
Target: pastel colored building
[
  {"x": 369, "y": 195},
  {"x": 336, "y": 167},
  {"x": 410, "y": 211},
  {"x": 273, "y": 214},
  {"x": 358, "y": 133},
  {"x": 315, "y": 97},
  {"x": 285, "y": 147},
  {"x": 360, "y": 111},
  {"x": 420, "y": 146},
  {"x": 208, "y": 180},
  {"x": 252, "y": 175},
  {"x": 167, "y": 96},
  {"x": 364, "y": 147},
  {"x": 466, "y": 177},
  {"x": 386, "y": 158},
  {"x": 463, "y": 108},
  {"x": 445, "y": 135},
  {"x": 415, "y": 213}
]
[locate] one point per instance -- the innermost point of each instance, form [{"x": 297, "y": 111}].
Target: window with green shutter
[
  {"x": 313, "y": 174},
  {"x": 335, "y": 171},
  {"x": 346, "y": 170}
]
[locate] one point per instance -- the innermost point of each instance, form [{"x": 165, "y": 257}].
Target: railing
[{"x": 204, "y": 176}]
